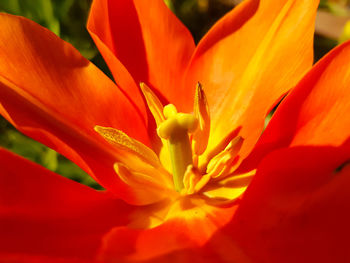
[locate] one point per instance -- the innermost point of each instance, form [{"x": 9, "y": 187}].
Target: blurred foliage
[
  {"x": 199, "y": 15},
  {"x": 346, "y": 33},
  {"x": 336, "y": 7},
  {"x": 322, "y": 46},
  {"x": 67, "y": 19}
]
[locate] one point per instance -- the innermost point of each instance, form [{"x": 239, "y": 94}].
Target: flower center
[
  {"x": 198, "y": 168},
  {"x": 175, "y": 130}
]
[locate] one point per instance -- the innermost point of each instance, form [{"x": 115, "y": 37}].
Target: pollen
[
  {"x": 195, "y": 168},
  {"x": 187, "y": 162}
]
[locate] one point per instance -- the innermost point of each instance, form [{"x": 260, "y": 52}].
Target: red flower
[{"x": 295, "y": 208}]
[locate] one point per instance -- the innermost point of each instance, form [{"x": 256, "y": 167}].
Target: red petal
[
  {"x": 191, "y": 224},
  {"x": 297, "y": 207},
  {"x": 295, "y": 210},
  {"x": 249, "y": 59},
  {"x": 54, "y": 95},
  {"x": 45, "y": 215},
  {"x": 143, "y": 39},
  {"x": 316, "y": 112}
]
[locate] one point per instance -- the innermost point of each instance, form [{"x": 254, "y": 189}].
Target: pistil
[{"x": 175, "y": 129}]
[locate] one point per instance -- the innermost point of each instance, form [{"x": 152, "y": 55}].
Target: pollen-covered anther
[
  {"x": 222, "y": 164},
  {"x": 194, "y": 181},
  {"x": 175, "y": 129}
]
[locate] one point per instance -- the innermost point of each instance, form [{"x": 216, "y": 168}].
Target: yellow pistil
[{"x": 175, "y": 129}]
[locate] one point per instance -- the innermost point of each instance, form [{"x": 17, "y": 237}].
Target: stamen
[
  {"x": 175, "y": 129},
  {"x": 221, "y": 164},
  {"x": 194, "y": 181},
  {"x": 153, "y": 103},
  {"x": 122, "y": 141},
  {"x": 201, "y": 112}
]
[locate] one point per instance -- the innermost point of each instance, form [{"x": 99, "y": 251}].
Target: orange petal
[
  {"x": 130, "y": 37},
  {"x": 249, "y": 59},
  {"x": 54, "y": 95},
  {"x": 46, "y": 216},
  {"x": 190, "y": 224},
  {"x": 316, "y": 112},
  {"x": 149, "y": 186},
  {"x": 98, "y": 28},
  {"x": 296, "y": 209}
]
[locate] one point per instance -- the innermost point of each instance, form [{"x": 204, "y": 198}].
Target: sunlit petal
[
  {"x": 190, "y": 223},
  {"x": 248, "y": 60},
  {"x": 316, "y": 112},
  {"x": 153, "y": 52},
  {"x": 52, "y": 94}
]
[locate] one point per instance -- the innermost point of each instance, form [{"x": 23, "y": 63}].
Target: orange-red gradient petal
[
  {"x": 316, "y": 112},
  {"x": 249, "y": 59},
  {"x": 145, "y": 40},
  {"x": 52, "y": 94},
  {"x": 190, "y": 224},
  {"x": 297, "y": 207},
  {"x": 45, "y": 216}
]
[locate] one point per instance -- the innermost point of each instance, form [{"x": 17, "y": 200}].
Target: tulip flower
[{"x": 177, "y": 140}]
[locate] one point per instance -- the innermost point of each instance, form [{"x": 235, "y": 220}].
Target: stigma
[
  {"x": 187, "y": 161},
  {"x": 176, "y": 129}
]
